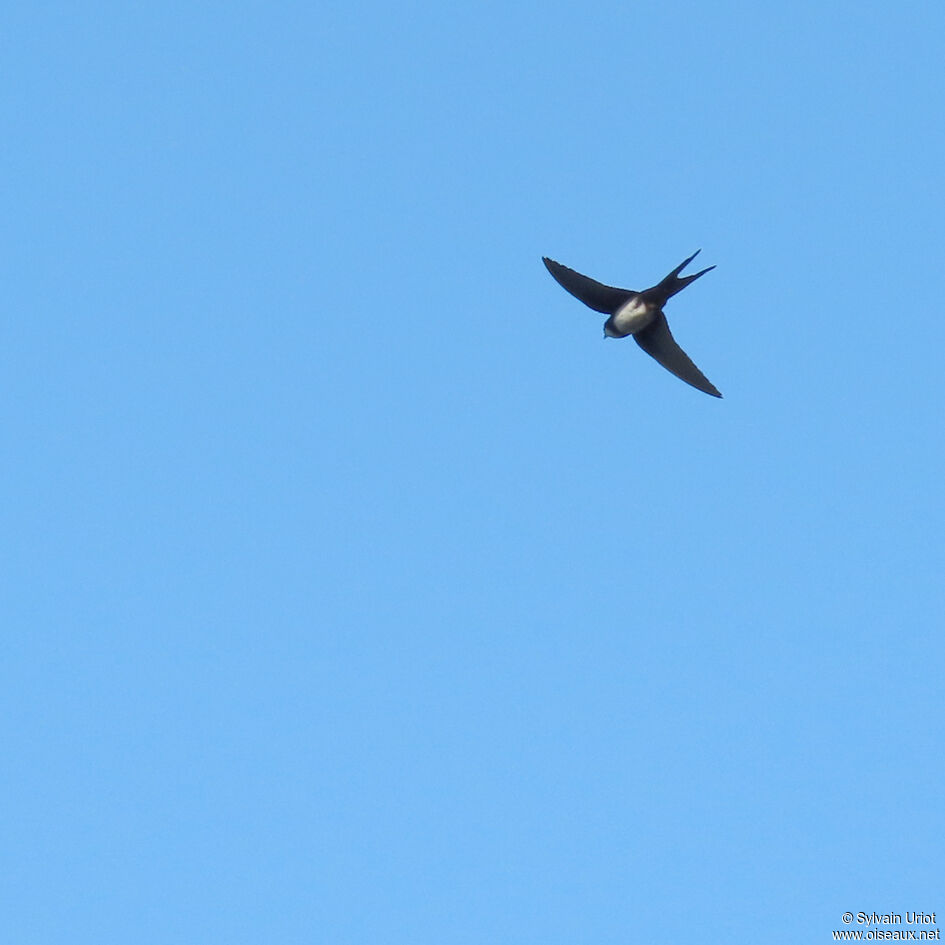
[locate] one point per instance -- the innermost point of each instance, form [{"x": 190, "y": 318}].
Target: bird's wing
[
  {"x": 658, "y": 342},
  {"x": 600, "y": 297}
]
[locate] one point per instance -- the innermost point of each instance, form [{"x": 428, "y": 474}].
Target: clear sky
[{"x": 354, "y": 588}]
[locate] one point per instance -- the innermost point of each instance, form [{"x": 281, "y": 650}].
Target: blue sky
[{"x": 354, "y": 588}]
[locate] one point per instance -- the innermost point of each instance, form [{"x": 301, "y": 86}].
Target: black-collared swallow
[{"x": 639, "y": 314}]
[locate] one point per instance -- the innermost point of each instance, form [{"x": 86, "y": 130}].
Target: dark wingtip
[{"x": 711, "y": 389}]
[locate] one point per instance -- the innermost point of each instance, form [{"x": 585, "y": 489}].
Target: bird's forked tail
[{"x": 673, "y": 283}]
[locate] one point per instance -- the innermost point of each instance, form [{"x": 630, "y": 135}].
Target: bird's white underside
[{"x": 634, "y": 315}]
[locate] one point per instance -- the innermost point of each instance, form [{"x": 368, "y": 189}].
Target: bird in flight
[{"x": 639, "y": 314}]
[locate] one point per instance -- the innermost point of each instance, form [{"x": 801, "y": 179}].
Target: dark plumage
[{"x": 639, "y": 314}]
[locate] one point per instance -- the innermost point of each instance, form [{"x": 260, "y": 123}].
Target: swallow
[{"x": 639, "y": 314}]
